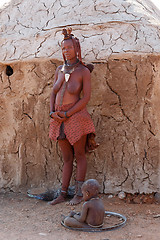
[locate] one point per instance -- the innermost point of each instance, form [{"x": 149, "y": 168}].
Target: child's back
[{"x": 96, "y": 212}]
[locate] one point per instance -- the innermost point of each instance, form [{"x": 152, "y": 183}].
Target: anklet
[{"x": 63, "y": 191}]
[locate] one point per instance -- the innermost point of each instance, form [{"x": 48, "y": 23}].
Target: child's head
[{"x": 90, "y": 188}]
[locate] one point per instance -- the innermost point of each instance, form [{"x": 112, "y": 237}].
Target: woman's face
[{"x": 68, "y": 49}]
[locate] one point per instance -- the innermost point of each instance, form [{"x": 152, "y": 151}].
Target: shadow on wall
[{"x": 125, "y": 109}]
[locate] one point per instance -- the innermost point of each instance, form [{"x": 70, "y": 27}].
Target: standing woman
[{"x": 71, "y": 124}]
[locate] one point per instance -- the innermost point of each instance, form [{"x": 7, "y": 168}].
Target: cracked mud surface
[
  {"x": 124, "y": 107},
  {"x": 23, "y": 218}
]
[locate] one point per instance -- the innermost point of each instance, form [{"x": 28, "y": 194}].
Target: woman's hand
[
  {"x": 57, "y": 117},
  {"x": 63, "y": 115}
]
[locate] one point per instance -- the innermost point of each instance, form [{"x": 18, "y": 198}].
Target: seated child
[{"x": 92, "y": 214}]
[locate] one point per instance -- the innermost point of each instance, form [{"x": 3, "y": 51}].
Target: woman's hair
[{"x": 68, "y": 35}]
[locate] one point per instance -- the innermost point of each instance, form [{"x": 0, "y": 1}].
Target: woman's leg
[
  {"x": 68, "y": 156},
  {"x": 79, "y": 150}
]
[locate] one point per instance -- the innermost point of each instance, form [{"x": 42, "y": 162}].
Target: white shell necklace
[
  {"x": 67, "y": 75},
  {"x": 68, "y": 69}
]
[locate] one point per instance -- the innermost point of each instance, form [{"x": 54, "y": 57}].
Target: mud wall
[
  {"x": 124, "y": 107},
  {"x": 32, "y": 29}
]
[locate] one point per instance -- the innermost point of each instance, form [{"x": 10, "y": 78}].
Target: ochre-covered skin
[
  {"x": 71, "y": 123},
  {"x": 92, "y": 214}
]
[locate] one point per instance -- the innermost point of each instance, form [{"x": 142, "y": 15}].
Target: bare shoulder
[
  {"x": 84, "y": 71},
  {"x": 59, "y": 68}
]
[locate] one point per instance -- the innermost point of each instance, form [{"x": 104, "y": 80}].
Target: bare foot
[
  {"x": 76, "y": 200},
  {"x": 59, "y": 199}
]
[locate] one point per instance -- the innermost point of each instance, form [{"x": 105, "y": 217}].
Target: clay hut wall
[{"x": 121, "y": 39}]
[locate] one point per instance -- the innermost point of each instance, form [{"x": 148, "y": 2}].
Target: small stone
[
  {"x": 110, "y": 196},
  {"x": 42, "y": 234},
  {"x": 157, "y": 197},
  {"x": 139, "y": 236},
  {"x": 121, "y": 195}
]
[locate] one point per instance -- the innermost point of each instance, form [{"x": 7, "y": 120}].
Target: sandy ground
[{"x": 24, "y": 218}]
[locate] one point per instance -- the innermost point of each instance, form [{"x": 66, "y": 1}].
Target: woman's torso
[{"x": 71, "y": 92}]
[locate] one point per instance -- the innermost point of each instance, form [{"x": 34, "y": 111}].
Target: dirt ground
[{"x": 24, "y": 218}]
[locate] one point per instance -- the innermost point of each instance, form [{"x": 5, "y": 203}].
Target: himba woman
[{"x": 71, "y": 124}]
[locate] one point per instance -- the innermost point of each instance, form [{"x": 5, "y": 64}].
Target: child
[{"x": 93, "y": 211}]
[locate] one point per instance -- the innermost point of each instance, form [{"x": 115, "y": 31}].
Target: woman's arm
[
  {"x": 53, "y": 94},
  {"x": 52, "y": 101},
  {"x": 53, "y": 98}
]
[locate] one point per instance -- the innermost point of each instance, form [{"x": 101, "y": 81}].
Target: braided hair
[{"x": 68, "y": 35}]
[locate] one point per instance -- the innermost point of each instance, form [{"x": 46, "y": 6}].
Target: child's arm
[{"x": 83, "y": 215}]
